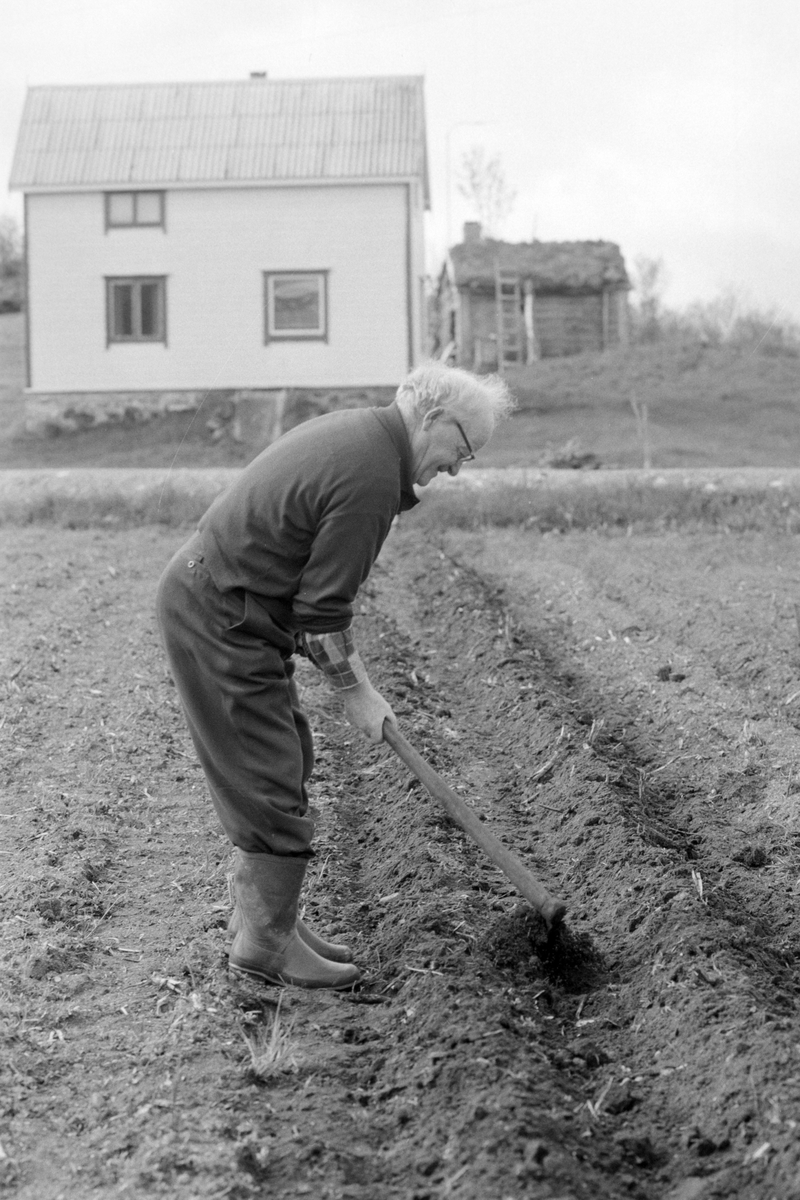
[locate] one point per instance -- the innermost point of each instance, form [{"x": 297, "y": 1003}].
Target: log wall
[{"x": 563, "y": 325}]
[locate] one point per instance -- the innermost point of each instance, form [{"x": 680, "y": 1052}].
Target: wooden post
[
  {"x": 531, "y": 349},
  {"x": 498, "y": 315}
]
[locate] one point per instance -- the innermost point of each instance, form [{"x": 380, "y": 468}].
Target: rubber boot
[
  {"x": 330, "y": 950},
  {"x": 267, "y": 943}
]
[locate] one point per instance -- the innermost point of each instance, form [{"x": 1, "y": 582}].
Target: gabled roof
[
  {"x": 553, "y": 266},
  {"x": 253, "y": 130}
]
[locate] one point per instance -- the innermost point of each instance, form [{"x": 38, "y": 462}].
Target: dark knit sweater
[{"x": 302, "y": 526}]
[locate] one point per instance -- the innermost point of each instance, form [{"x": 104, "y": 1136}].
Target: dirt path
[{"x": 619, "y": 709}]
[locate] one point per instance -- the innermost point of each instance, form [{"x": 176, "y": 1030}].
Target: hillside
[
  {"x": 697, "y": 407},
  {"x": 706, "y": 407}
]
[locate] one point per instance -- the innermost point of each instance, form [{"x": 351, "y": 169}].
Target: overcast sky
[{"x": 671, "y": 127}]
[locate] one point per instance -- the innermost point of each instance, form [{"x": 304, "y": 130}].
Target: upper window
[
  {"x": 296, "y": 304},
  {"x": 127, "y": 209},
  {"x": 136, "y": 309}
]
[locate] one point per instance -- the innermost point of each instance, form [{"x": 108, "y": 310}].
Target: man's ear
[{"x": 431, "y": 416}]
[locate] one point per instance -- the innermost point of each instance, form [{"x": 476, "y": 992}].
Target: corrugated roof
[
  {"x": 192, "y": 133},
  {"x": 553, "y": 266}
]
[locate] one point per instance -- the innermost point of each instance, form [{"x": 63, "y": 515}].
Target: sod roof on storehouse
[
  {"x": 552, "y": 266},
  {"x": 248, "y": 131}
]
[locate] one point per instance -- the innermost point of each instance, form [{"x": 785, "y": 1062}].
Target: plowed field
[{"x": 621, "y": 710}]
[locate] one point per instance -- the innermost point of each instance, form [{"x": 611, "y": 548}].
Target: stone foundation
[{"x": 256, "y": 416}]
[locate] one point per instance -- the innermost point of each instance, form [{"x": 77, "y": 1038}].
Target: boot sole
[{"x": 289, "y": 980}]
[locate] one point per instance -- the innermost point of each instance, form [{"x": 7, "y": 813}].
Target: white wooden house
[{"x": 242, "y": 237}]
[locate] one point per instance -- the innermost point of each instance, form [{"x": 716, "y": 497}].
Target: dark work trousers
[{"x": 233, "y": 669}]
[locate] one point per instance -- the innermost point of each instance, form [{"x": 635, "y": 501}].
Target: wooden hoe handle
[{"x": 552, "y": 910}]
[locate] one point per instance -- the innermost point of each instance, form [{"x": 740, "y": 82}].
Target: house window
[
  {"x": 127, "y": 209},
  {"x": 296, "y": 305},
  {"x": 136, "y": 309}
]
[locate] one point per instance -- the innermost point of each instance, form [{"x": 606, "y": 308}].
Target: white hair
[{"x": 433, "y": 385}]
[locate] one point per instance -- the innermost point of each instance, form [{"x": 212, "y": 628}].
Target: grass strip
[{"x": 545, "y": 501}]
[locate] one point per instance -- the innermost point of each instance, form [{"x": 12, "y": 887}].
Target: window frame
[
  {"x": 137, "y": 338},
  {"x": 161, "y": 223},
  {"x": 320, "y": 334}
]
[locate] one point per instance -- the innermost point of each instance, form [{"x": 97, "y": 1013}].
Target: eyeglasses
[{"x": 469, "y": 456}]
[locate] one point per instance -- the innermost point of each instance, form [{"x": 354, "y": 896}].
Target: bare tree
[
  {"x": 10, "y": 246},
  {"x": 715, "y": 321},
  {"x": 482, "y": 181},
  {"x": 649, "y": 287}
]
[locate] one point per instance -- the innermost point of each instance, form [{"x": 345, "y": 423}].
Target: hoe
[{"x": 551, "y": 909}]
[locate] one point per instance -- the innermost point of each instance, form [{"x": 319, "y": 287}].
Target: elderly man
[{"x": 274, "y": 569}]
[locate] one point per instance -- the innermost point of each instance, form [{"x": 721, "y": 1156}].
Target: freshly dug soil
[{"x": 622, "y": 712}]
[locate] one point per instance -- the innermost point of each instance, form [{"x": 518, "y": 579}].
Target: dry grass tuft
[{"x": 272, "y": 1051}]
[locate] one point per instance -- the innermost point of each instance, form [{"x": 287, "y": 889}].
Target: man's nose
[{"x": 454, "y": 469}]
